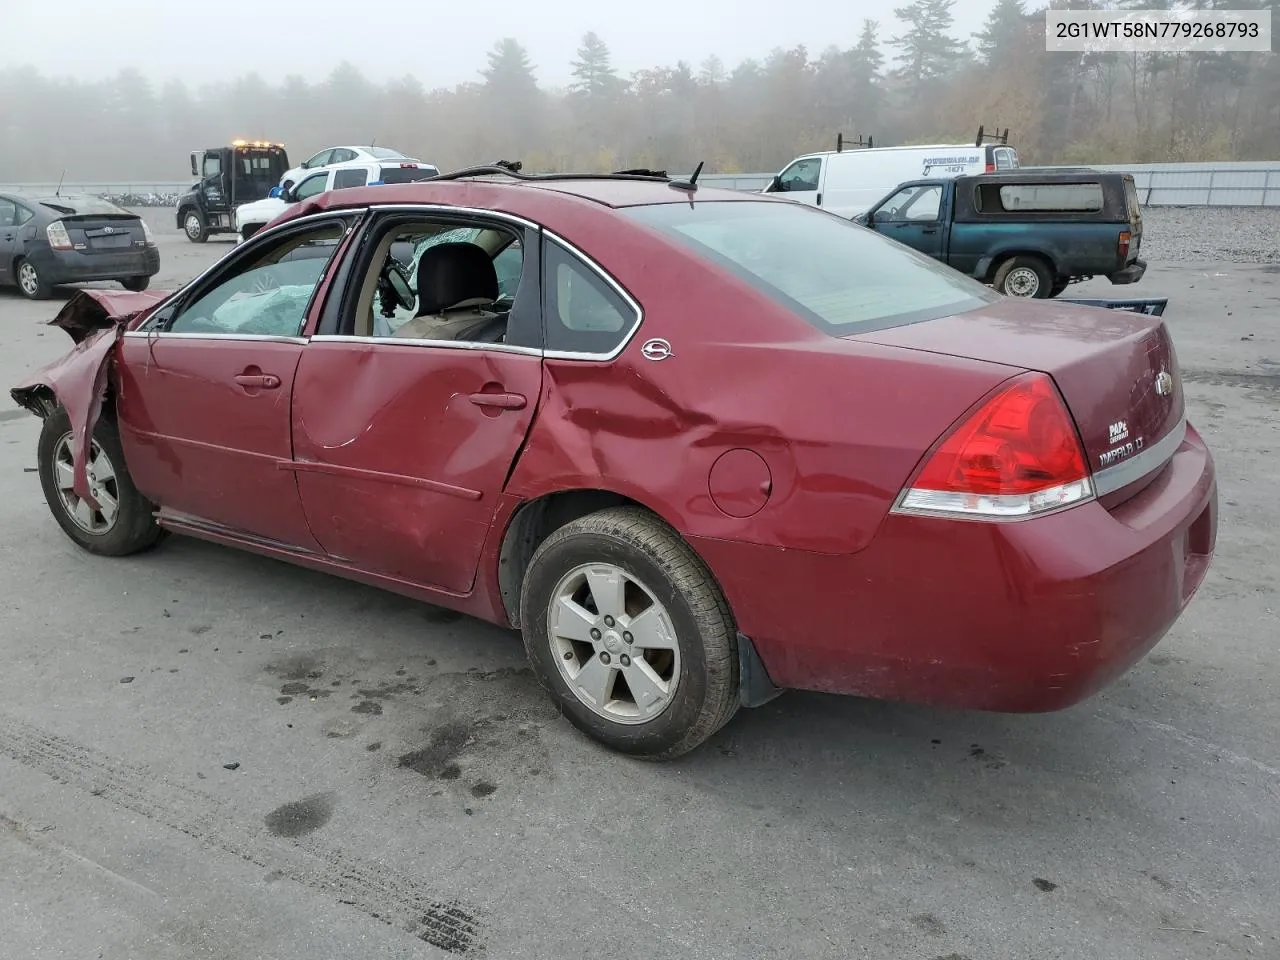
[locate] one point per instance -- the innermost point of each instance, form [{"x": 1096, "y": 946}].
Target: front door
[
  {"x": 403, "y": 440},
  {"x": 913, "y": 216},
  {"x": 205, "y": 387}
]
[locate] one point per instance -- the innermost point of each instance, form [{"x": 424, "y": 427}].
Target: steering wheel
[{"x": 394, "y": 287}]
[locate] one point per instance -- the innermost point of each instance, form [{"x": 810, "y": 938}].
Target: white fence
[{"x": 1242, "y": 184}]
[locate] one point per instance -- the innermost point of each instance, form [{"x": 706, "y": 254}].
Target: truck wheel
[
  {"x": 1058, "y": 288},
  {"x": 124, "y": 521},
  {"x": 194, "y": 227},
  {"x": 31, "y": 283},
  {"x": 1026, "y": 277},
  {"x": 630, "y": 634},
  {"x": 136, "y": 284}
]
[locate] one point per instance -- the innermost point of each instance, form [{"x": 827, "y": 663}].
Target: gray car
[{"x": 46, "y": 241}]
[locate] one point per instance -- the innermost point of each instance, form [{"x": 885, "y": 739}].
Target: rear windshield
[
  {"x": 841, "y": 277},
  {"x": 386, "y": 153},
  {"x": 84, "y": 206},
  {"x": 407, "y": 174}
]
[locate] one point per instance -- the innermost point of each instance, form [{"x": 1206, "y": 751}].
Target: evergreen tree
[{"x": 929, "y": 52}]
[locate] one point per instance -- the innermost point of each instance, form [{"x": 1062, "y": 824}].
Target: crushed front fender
[{"x": 95, "y": 320}]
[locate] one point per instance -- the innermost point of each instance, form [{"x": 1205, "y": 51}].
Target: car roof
[{"x": 607, "y": 191}]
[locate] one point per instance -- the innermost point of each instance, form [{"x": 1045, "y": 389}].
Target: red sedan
[{"x": 698, "y": 447}]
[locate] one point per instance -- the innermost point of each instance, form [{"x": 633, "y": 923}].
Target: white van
[{"x": 848, "y": 181}]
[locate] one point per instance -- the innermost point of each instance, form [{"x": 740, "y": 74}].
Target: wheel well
[
  {"x": 533, "y": 523},
  {"x": 1001, "y": 259},
  {"x": 40, "y": 399}
]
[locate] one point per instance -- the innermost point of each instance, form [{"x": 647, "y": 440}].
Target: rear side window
[
  {"x": 1040, "y": 198},
  {"x": 584, "y": 313},
  {"x": 840, "y": 277},
  {"x": 349, "y": 178},
  {"x": 399, "y": 174}
]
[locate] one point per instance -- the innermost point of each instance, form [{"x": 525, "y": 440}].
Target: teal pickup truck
[{"x": 1028, "y": 232}]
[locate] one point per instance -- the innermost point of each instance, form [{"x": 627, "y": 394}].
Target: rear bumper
[
  {"x": 59, "y": 266},
  {"x": 1130, "y": 274},
  {"x": 1017, "y": 617}
]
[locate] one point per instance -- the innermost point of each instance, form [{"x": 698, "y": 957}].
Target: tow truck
[{"x": 229, "y": 176}]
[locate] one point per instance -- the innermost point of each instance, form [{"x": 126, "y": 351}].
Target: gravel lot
[{"x": 206, "y": 754}]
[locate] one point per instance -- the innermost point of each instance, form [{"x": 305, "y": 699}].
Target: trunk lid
[
  {"x": 1117, "y": 371},
  {"x": 97, "y": 226}
]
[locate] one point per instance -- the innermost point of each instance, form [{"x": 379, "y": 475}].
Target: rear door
[
  {"x": 402, "y": 445},
  {"x": 8, "y": 237}
]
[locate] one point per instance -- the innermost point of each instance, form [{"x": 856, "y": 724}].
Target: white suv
[{"x": 252, "y": 217}]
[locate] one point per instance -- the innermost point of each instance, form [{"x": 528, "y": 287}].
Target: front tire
[
  {"x": 124, "y": 521},
  {"x": 629, "y": 633},
  {"x": 31, "y": 283},
  {"x": 194, "y": 227},
  {"x": 1024, "y": 277}
]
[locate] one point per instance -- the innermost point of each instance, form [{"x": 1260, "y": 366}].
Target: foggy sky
[{"x": 441, "y": 43}]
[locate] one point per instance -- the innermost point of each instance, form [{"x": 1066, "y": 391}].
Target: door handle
[
  {"x": 928, "y": 229},
  {"x": 264, "y": 381},
  {"x": 504, "y": 401}
]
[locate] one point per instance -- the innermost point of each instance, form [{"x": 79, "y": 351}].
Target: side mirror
[
  {"x": 195, "y": 166},
  {"x": 867, "y": 219}
]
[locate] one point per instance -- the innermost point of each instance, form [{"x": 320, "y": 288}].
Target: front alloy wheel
[{"x": 102, "y": 484}]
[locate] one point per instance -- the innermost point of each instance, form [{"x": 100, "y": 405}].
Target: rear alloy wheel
[
  {"x": 630, "y": 634},
  {"x": 123, "y": 521},
  {"x": 193, "y": 226},
  {"x": 136, "y": 284},
  {"x": 1024, "y": 277},
  {"x": 31, "y": 283}
]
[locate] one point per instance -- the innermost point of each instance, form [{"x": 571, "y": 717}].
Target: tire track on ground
[{"x": 383, "y": 894}]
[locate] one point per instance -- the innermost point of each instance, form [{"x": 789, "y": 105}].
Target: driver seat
[{"x": 456, "y": 283}]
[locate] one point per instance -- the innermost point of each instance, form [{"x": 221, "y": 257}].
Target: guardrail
[{"x": 1241, "y": 184}]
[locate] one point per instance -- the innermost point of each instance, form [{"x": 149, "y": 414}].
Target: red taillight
[
  {"x": 1122, "y": 246},
  {"x": 1018, "y": 455},
  {"x": 991, "y": 168}
]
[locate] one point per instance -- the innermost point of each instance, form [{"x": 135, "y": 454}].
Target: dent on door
[{"x": 401, "y": 452}]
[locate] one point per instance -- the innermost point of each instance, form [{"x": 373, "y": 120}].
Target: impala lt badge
[{"x": 1164, "y": 383}]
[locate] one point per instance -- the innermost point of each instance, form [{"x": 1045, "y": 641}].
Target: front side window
[
  {"x": 212, "y": 166},
  {"x": 801, "y": 176},
  {"x": 841, "y": 278},
  {"x": 919, "y": 202},
  {"x": 311, "y": 186},
  {"x": 268, "y": 294}
]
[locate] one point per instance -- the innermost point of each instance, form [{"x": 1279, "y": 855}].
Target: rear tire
[
  {"x": 129, "y": 526},
  {"x": 136, "y": 284},
  {"x": 1025, "y": 278},
  {"x": 194, "y": 227},
  {"x": 31, "y": 283},
  {"x": 663, "y": 690}
]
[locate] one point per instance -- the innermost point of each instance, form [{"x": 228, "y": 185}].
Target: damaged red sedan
[{"x": 698, "y": 446}]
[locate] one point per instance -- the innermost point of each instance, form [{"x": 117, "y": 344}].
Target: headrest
[{"x": 450, "y": 273}]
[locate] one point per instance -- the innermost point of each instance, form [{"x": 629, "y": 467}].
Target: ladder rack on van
[
  {"x": 1000, "y": 137},
  {"x": 841, "y": 143}
]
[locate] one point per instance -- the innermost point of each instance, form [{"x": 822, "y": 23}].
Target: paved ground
[{"x": 402, "y": 783}]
